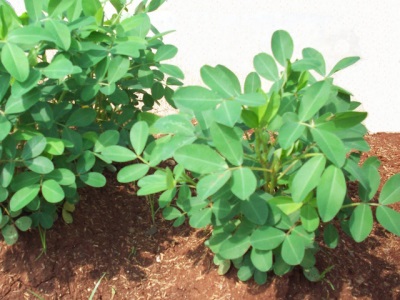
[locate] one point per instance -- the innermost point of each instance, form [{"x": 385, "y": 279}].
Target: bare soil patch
[{"x": 112, "y": 235}]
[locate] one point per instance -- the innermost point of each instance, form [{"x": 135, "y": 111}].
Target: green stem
[
  {"x": 288, "y": 169},
  {"x": 358, "y": 203}
]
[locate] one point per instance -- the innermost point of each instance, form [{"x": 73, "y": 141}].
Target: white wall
[{"x": 231, "y": 32}]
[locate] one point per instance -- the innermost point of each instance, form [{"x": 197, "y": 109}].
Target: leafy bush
[
  {"x": 266, "y": 165},
  {"x": 71, "y": 85}
]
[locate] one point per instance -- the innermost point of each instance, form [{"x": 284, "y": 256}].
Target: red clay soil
[{"x": 112, "y": 235}]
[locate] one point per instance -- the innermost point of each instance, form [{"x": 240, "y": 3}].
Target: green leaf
[
  {"x": 137, "y": 25},
  {"x": 305, "y": 64},
  {"x": 221, "y": 208},
  {"x": 234, "y": 247},
  {"x": 34, "y": 9},
  {"x": 200, "y": 219},
  {"x": 4, "y": 84},
  {"x": 146, "y": 77},
  {"x": 34, "y": 147},
  {"x": 224, "y": 267},
  {"x": 93, "y": 179},
  {"x": 255, "y": 210},
  {"x": 331, "y": 236},
  {"x": 118, "y": 67},
  {"x": 267, "y": 238},
  {"x": 62, "y": 176},
  {"x": 54, "y": 146},
  {"x": 10, "y": 234},
  {"x": 42, "y": 113},
  {"x": 282, "y": 46},
  {"x": 227, "y": 143},
  {"x": 107, "y": 138},
  {"x": 165, "y": 52},
  {"x": 67, "y": 211},
  {"x": 389, "y": 219},
  {"x": 293, "y": 250},
  {"x": 391, "y": 191},
  {"x": 196, "y": 98},
  {"x": 3, "y": 196},
  {"x": 152, "y": 184},
  {"x": 5, "y": 127},
  {"x": 251, "y": 100},
  {"x": 290, "y": 131},
  {"x": 74, "y": 15},
  {"x": 15, "y": 61},
  {"x": 59, "y": 68},
  {"x": 52, "y": 191},
  {"x": 157, "y": 90},
  {"x": 331, "y": 192},
  {"x": 171, "y": 213},
  {"x": 285, "y": 204},
  {"x": 309, "y": 218},
  {"x": 344, "y": 63},
  {"x": 28, "y": 36},
  {"x": 309, "y": 259},
  {"x": 218, "y": 81},
  {"x": 171, "y": 70},
  {"x": 81, "y": 117},
  {"x": 372, "y": 177},
  {"x": 19, "y": 104},
  {"x": 175, "y": 124},
  {"x": 315, "y": 55},
  {"x": 118, "y": 153},
  {"x": 252, "y": 83},
  {"x": 24, "y": 179},
  {"x": 244, "y": 183},
  {"x": 361, "y": 222},
  {"x": 85, "y": 162},
  {"x": 307, "y": 177},
  {"x": 23, "y": 197},
  {"x": 260, "y": 277},
  {"x": 132, "y": 173},
  {"x": 23, "y": 223},
  {"x": 250, "y": 118},
  {"x": 40, "y": 164},
  {"x": 7, "y": 173},
  {"x": 228, "y": 113},
  {"x": 280, "y": 266},
  {"x": 245, "y": 271},
  {"x": 200, "y": 159},
  {"x": 139, "y": 134},
  {"x": 210, "y": 184},
  {"x": 154, "y": 4},
  {"x": 348, "y": 119},
  {"x": 312, "y": 274},
  {"x": 60, "y": 33},
  {"x": 261, "y": 259},
  {"x": 265, "y": 65},
  {"x": 314, "y": 98},
  {"x": 331, "y": 146},
  {"x": 57, "y": 7},
  {"x": 130, "y": 48}
]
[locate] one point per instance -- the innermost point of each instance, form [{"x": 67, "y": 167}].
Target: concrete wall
[{"x": 231, "y": 32}]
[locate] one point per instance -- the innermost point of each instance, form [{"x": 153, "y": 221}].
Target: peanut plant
[{"x": 266, "y": 166}]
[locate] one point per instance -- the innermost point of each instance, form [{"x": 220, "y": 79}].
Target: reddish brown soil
[{"x": 111, "y": 235}]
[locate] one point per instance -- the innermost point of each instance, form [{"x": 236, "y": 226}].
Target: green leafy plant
[
  {"x": 266, "y": 164},
  {"x": 72, "y": 83}
]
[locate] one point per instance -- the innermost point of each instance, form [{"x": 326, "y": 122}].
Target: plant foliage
[
  {"x": 267, "y": 163},
  {"x": 72, "y": 84}
]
